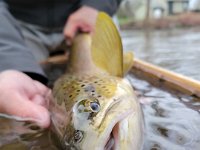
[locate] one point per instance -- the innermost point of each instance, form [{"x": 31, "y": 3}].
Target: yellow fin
[
  {"x": 127, "y": 62},
  {"x": 107, "y": 52}
]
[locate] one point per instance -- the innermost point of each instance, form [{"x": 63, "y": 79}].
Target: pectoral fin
[{"x": 127, "y": 62}]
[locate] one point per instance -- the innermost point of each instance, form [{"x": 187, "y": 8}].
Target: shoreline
[{"x": 189, "y": 19}]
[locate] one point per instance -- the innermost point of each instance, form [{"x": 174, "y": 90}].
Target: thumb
[{"x": 27, "y": 110}]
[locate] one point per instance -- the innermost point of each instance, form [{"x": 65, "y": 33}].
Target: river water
[
  {"x": 172, "y": 122},
  {"x": 174, "y": 49}
]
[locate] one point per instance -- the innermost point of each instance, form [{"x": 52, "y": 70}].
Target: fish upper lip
[{"x": 116, "y": 102}]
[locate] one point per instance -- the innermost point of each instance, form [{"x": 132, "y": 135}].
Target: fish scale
[
  {"x": 93, "y": 106},
  {"x": 93, "y": 85}
]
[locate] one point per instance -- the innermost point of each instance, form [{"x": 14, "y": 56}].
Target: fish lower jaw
[{"x": 113, "y": 139}]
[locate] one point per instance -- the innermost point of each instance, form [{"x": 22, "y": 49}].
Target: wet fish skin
[{"x": 92, "y": 103}]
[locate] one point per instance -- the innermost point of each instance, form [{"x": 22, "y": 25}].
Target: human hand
[
  {"x": 83, "y": 19},
  {"x": 23, "y": 97}
]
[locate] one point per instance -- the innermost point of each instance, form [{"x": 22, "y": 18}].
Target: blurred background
[
  {"x": 159, "y": 13},
  {"x": 163, "y": 32}
]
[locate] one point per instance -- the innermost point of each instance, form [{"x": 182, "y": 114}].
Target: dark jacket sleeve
[
  {"x": 109, "y": 6},
  {"x": 14, "y": 54}
]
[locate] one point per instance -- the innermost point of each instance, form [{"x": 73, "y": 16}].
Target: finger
[
  {"x": 23, "y": 107},
  {"x": 23, "y": 82},
  {"x": 43, "y": 100},
  {"x": 42, "y": 89},
  {"x": 40, "y": 100},
  {"x": 42, "y": 97},
  {"x": 85, "y": 28},
  {"x": 69, "y": 31}
]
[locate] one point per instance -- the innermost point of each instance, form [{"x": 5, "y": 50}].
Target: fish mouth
[
  {"x": 113, "y": 138},
  {"x": 110, "y": 143}
]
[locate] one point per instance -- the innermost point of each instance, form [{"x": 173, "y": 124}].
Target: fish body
[{"x": 93, "y": 106}]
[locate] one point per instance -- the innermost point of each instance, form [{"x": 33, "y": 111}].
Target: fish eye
[
  {"x": 95, "y": 107},
  {"x": 78, "y": 136}
]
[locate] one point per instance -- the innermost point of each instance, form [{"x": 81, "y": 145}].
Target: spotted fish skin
[
  {"x": 71, "y": 89},
  {"x": 88, "y": 103},
  {"x": 93, "y": 106},
  {"x": 97, "y": 86}
]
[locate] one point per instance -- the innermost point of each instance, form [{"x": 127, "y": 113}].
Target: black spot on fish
[
  {"x": 89, "y": 88},
  {"x": 64, "y": 87},
  {"x": 91, "y": 115}
]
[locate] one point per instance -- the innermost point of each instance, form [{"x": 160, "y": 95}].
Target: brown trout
[{"x": 93, "y": 106}]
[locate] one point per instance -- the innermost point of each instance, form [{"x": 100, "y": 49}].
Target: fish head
[{"x": 103, "y": 115}]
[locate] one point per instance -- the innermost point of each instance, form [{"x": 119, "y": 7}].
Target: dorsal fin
[{"x": 107, "y": 53}]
